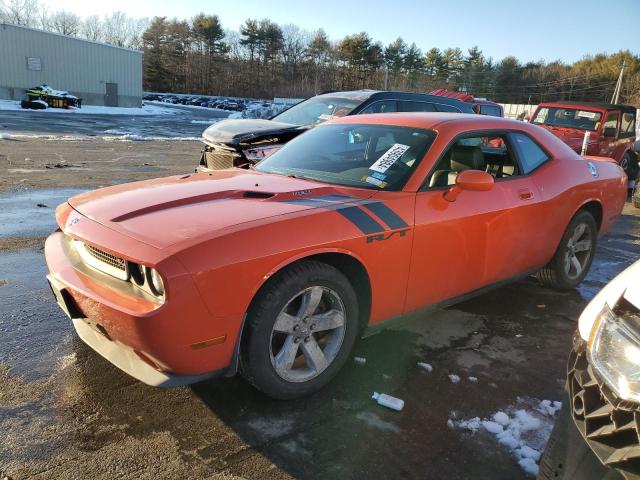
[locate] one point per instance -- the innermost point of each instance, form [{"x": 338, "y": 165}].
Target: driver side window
[{"x": 490, "y": 153}]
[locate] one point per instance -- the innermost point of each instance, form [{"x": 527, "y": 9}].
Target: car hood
[
  {"x": 571, "y": 136},
  {"x": 247, "y": 130},
  {"x": 183, "y": 209}
]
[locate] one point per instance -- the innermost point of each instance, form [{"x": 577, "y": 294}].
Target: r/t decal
[{"x": 381, "y": 237}]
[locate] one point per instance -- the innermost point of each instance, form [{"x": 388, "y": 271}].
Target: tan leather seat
[{"x": 462, "y": 157}]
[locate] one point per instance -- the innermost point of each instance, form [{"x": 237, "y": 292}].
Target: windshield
[
  {"x": 317, "y": 110},
  {"x": 367, "y": 156},
  {"x": 568, "y": 118}
]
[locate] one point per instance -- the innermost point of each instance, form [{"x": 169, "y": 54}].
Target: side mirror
[
  {"x": 472, "y": 180},
  {"x": 609, "y": 132}
]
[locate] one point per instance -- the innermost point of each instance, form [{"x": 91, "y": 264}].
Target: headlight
[
  {"x": 155, "y": 281},
  {"x": 259, "y": 153},
  {"x": 614, "y": 352}
]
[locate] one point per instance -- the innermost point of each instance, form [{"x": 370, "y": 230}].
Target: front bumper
[
  {"x": 161, "y": 345},
  {"x": 568, "y": 456},
  {"x": 596, "y": 435}
]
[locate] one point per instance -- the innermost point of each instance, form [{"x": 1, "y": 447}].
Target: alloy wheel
[
  {"x": 578, "y": 251},
  {"x": 307, "y": 334}
]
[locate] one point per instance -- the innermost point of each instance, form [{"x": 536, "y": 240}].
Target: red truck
[{"x": 612, "y": 129}]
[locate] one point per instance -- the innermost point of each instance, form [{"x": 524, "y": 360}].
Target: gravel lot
[{"x": 66, "y": 413}]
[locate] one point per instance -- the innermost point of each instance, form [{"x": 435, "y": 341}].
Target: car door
[
  {"x": 480, "y": 238},
  {"x": 609, "y": 136}
]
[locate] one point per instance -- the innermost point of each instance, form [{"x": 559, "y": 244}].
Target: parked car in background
[
  {"x": 611, "y": 128},
  {"x": 244, "y": 142},
  {"x": 277, "y": 270},
  {"x": 597, "y": 434},
  {"x": 481, "y": 106}
]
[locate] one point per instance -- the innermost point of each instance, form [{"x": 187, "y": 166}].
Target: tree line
[{"x": 263, "y": 59}]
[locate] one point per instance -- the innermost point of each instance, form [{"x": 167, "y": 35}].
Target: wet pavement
[
  {"x": 175, "y": 122},
  {"x": 66, "y": 413}
]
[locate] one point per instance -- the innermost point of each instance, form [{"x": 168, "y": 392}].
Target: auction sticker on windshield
[
  {"x": 389, "y": 157},
  {"x": 585, "y": 114}
]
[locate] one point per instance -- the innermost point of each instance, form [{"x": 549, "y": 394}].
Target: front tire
[
  {"x": 629, "y": 165},
  {"x": 300, "y": 330},
  {"x": 574, "y": 255}
]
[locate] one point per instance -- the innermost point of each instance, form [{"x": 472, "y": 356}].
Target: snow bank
[
  {"x": 93, "y": 109},
  {"x": 125, "y": 137},
  {"x": 523, "y": 428}
]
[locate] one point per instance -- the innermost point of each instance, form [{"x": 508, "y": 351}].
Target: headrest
[{"x": 465, "y": 157}]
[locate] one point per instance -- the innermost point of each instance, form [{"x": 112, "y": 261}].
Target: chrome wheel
[
  {"x": 307, "y": 334},
  {"x": 578, "y": 251}
]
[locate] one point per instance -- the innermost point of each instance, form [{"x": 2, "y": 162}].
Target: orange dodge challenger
[{"x": 275, "y": 271}]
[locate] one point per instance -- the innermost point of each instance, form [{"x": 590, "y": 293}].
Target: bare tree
[
  {"x": 20, "y": 12},
  {"x": 66, "y": 23},
  {"x": 92, "y": 28}
]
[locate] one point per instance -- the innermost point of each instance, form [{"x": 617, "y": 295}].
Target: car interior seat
[{"x": 461, "y": 157}]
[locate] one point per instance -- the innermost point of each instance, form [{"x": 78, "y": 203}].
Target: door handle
[{"x": 525, "y": 194}]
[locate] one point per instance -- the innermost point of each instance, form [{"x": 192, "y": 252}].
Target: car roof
[
  {"x": 433, "y": 120},
  {"x": 600, "y": 105},
  {"x": 367, "y": 94}
]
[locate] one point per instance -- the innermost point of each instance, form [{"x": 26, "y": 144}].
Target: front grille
[
  {"x": 102, "y": 261},
  {"x": 219, "y": 159},
  {"x": 104, "y": 257},
  {"x": 611, "y": 426}
]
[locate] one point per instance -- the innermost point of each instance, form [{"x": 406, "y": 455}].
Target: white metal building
[{"x": 99, "y": 74}]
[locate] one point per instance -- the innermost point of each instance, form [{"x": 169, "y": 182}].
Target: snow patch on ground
[
  {"x": 206, "y": 122},
  {"x": 454, "y": 378},
  {"x": 425, "y": 366},
  {"x": 523, "y": 428},
  {"x": 146, "y": 109}
]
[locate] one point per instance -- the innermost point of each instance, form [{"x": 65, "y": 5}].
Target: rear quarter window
[
  {"x": 490, "y": 110},
  {"x": 447, "y": 108},
  {"x": 409, "y": 106},
  {"x": 531, "y": 156}
]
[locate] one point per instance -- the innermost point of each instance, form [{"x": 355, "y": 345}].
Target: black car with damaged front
[
  {"x": 597, "y": 434},
  {"x": 244, "y": 142}
]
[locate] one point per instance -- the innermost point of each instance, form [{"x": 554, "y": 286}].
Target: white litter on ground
[
  {"x": 388, "y": 401},
  {"x": 146, "y": 109},
  {"x": 454, "y": 378},
  {"x": 473, "y": 379},
  {"x": 360, "y": 360},
  {"x": 425, "y": 366},
  {"x": 523, "y": 428}
]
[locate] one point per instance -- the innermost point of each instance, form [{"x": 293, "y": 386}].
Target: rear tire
[
  {"x": 301, "y": 327},
  {"x": 574, "y": 255}
]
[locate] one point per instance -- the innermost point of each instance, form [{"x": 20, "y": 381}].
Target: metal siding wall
[{"x": 67, "y": 63}]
